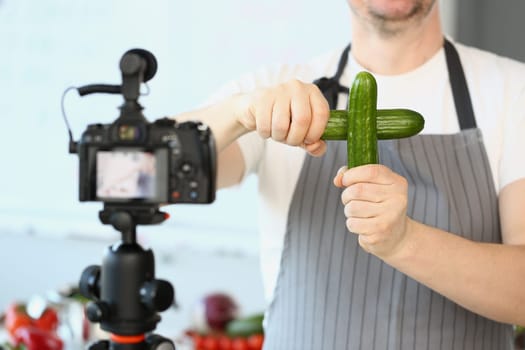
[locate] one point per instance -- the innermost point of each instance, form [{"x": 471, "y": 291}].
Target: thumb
[{"x": 338, "y": 179}]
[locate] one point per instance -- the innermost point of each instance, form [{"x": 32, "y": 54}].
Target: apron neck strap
[
  {"x": 459, "y": 87},
  {"x": 342, "y": 63}
]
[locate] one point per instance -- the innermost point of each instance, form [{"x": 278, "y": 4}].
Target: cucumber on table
[{"x": 246, "y": 326}]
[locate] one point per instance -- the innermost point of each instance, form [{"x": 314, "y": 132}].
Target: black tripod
[{"x": 125, "y": 296}]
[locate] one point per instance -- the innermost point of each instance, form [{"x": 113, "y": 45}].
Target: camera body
[
  {"x": 147, "y": 163},
  {"x": 132, "y": 163}
]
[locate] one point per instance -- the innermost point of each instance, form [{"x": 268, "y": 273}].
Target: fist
[
  {"x": 294, "y": 113},
  {"x": 375, "y": 202}
]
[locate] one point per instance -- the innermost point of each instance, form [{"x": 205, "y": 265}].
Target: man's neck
[{"x": 400, "y": 53}]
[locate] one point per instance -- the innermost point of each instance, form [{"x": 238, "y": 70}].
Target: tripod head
[{"x": 125, "y": 296}]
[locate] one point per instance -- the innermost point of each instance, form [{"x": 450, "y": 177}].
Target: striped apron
[{"x": 331, "y": 294}]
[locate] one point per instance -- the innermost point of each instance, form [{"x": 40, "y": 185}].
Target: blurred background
[{"x": 46, "y": 236}]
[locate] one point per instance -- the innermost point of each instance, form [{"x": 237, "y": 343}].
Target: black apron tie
[
  {"x": 330, "y": 87},
  {"x": 459, "y": 86}
]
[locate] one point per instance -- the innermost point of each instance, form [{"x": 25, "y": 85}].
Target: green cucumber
[
  {"x": 362, "y": 121},
  {"x": 246, "y": 326},
  {"x": 391, "y": 124},
  {"x": 363, "y": 124}
]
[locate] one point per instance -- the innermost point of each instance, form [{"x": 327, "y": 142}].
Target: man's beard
[{"x": 390, "y": 25}]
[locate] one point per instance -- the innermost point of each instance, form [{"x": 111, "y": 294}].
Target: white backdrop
[{"x": 50, "y": 45}]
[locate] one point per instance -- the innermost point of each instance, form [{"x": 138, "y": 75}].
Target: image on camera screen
[{"x": 126, "y": 174}]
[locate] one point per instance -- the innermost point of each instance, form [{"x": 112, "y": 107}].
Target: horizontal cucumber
[{"x": 391, "y": 124}]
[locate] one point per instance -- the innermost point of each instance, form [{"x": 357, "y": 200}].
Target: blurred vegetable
[
  {"x": 255, "y": 341},
  {"x": 246, "y": 326},
  {"x": 214, "y": 312},
  {"x": 216, "y": 325},
  {"x": 210, "y": 343},
  {"x": 198, "y": 341},
  {"x": 48, "y": 320},
  {"x": 7, "y": 346},
  {"x": 32, "y": 333},
  {"x": 35, "y": 338},
  {"x": 16, "y": 317},
  {"x": 240, "y": 344},
  {"x": 225, "y": 343},
  {"x": 221, "y": 341}
]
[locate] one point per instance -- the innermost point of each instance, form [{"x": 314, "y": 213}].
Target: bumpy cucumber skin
[
  {"x": 362, "y": 123},
  {"x": 391, "y": 124},
  {"x": 398, "y": 123}
]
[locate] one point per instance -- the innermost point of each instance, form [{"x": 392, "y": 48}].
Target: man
[{"x": 417, "y": 257}]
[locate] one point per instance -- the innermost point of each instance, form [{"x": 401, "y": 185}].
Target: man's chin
[
  {"x": 396, "y": 13},
  {"x": 394, "y": 17}
]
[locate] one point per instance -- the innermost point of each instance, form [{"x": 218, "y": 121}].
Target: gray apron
[{"x": 331, "y": 294}]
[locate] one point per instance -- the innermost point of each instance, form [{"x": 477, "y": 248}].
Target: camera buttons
[
  {"x": 194, "y": 195},
  {"x": 186, "y": 168}
]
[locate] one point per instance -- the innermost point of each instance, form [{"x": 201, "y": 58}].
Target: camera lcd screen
[{"x": 126, "y": 174}]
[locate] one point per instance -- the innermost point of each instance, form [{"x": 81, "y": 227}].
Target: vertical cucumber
[{"x": 362, "y": 121}]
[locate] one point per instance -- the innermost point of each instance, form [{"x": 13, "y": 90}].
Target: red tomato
[
  {"x": 198, "y": 341},
  {"x": 240, "y": 344},
  {"x": 210, "y": 343},
  {"x": 48, "y": 320},
  {"x": 255, "y": 341},
  {"x": 225, "y": 343}
]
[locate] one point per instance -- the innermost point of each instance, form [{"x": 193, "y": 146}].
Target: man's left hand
[{"x": 375, "y": 202}]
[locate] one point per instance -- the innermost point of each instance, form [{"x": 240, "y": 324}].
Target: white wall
[{"x": 50, "y": 45}]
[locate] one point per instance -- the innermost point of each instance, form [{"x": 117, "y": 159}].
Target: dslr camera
[{"x": 132, "y": 163}]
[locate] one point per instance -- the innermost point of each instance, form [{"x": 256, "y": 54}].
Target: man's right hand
[{"x": 294, "y": 113}]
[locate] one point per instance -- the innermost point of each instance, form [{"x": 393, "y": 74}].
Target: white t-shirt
[{"x": 497, "y": 90}]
